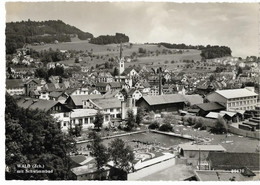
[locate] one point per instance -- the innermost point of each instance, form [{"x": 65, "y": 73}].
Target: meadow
[{"x": 102, "y": 53}]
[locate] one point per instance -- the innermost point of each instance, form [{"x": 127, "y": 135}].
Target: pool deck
[
  {"x": 173, "y": 134},
  {"x": 140, "y": 165},
  {"x": 151, "y": 169}
]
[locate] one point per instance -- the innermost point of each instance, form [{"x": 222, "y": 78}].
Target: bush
[
  {"x": 169, "y": 119},
  {"x": 166, "y": 128},
  {"x": 203, "y": 127},
  {"x": 220, "y": 126},
  {"x": 154, "y": 125},
  {"x": 120, "y": 127},
  {"x": 197, "y": 125},
  {"x": 127, "y": 128}
]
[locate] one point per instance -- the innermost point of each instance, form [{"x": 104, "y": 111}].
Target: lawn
[{"x": 232, "y": 143}]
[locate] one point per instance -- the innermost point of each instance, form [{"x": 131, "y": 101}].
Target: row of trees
[
  {"x": 57, "y": 71},
  {"x": 178, "y": 46},
  {"x": 110, "y": 39}
]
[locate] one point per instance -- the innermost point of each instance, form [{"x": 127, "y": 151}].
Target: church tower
[{"x": 121, "y": 61}]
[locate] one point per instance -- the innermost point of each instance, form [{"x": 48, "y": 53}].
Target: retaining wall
[{"x": 251, "y": 134}]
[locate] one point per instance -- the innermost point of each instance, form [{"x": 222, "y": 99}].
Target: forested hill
[
  {"x": 110, "y": 39},
  {"x": 207, "y": 52},
  {"x": 19, "y": 33}
]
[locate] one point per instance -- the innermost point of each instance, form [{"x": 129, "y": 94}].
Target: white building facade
[{"x": 235, "y": 99}]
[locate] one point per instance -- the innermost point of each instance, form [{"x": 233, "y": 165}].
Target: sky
[{"x": 230, "y": 24}]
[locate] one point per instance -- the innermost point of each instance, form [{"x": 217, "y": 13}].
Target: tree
[
  {"x": 141, "y": 50},
  {"x": 41, "y": 73},
  {"x": 239, "y": 71},
  {"x": 99, "y": 119},
  {"x": 116, "y": 72},
  {"x": 121, "y": 155},
  {"x": 77, "y": 60},
  {"x": 166, "y": 127},
  {"x": 33, "y": 137},
  {"x": 76, "y": 130},
  {"x": 212, "y": 78},
  {"x": 154, "y": 125},
  {"x": 220, "y": 126},
  {"x": 99, "y": 151},
  {"x": 130, "y": 123},
  {"x": 139, "y": 115}
]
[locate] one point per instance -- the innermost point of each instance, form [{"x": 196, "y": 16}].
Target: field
[{"x": 104, "y": 52}]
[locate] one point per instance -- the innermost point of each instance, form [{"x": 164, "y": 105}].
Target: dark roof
[
  {"x": 193, "y": 110},
  {"x": 115, "y": 84},
  {"x": 101, "y": 84},
  {"x": 210, "y": 106},
  {"x": 131, "y": 91},
  {"x": 144, "y": 83},
  {"x": 111, "y": 94},
  {"x": 229, "y": 161},
  {"x": 164, "y": 99},
  {"x": 56, "y": 94},
  {"x": 32, "y": 80},
  {"x": 127, "y": 70},
  {"x": 14, "y": 83},
  {"x": 70, "y": 90},
  {"x": 34, "y": 93},
  {"x": 44, "y": 105}
]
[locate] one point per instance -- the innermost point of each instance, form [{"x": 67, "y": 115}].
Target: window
[
  {"x": 64, "y": 124},
  {"x": 80, "y": 121},
  {"x": 111, "y": 110},
  {"x": 86, "y": 120},
  {"x": 66, "y": 114},
  {"x": 91, "y": 120}
]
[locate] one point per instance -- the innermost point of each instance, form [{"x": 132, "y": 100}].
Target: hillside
[
  {"x": 19, "y": 33},
  {"x": 103, "y": 53}
]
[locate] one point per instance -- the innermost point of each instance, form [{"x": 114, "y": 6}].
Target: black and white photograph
[{"x": 131, "y": 91}]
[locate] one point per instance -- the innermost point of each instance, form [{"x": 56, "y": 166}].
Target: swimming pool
[{"x": 147, "y": 138}]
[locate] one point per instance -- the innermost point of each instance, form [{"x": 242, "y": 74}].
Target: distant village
[{"x": 230, "y": 92}]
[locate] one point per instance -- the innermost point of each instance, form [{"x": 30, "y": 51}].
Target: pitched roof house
[
  {"x": 170, "y": 102},
  {"x": 76, "y": 101}
]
